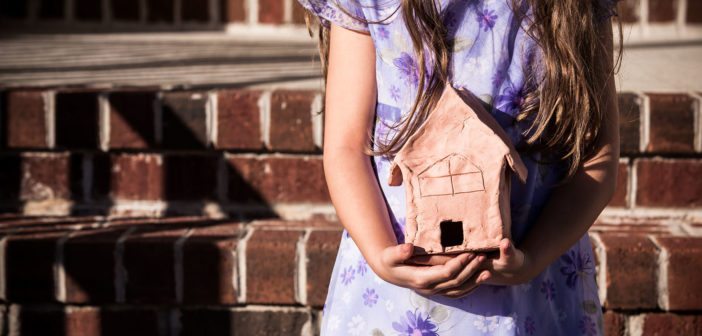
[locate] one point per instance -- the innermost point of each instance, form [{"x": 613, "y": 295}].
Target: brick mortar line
[
  {"x": 633, "y": 181},
  {"x": 58, "y": 268},
  {"x": 697, "y": 119},
  {"x": 251, "y": 10},
  {"x": 120, "y": 270},
  {"x": 300, "y": 277},
  {"x": 214, "y": 11},
  {"x": 50, "y": 117},
  {"x": 633, "y": 325},
  {"x": 643, "y": 17},
  {"x": 104, "y": 121},
  {"x": 602, "y": 264},
  {"x": 211, "y": 118},
  {"x": 241, "y": 263},
  {"x": 178, "y": 271},
  {"x": 644, "y": 120},
  {"x": 317, "y": 121},
  {"x": 661, "y": 274},
  {"x": 264, "y": 109}
]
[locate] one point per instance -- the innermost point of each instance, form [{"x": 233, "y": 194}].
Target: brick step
[{"x": 80, "y": 270}]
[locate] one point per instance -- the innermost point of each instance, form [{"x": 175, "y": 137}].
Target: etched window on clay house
[{"x": 451, "y": 175}]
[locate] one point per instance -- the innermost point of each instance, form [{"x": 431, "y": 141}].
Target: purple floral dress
[{"x": 489, "y": 52}]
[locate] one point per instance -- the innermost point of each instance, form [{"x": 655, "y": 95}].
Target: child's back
[{"x": 489, "y": 52}]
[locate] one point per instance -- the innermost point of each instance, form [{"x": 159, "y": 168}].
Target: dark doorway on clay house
[{"x": 451, "y": 233}]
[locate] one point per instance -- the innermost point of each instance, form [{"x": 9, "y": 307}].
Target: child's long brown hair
[{"x": 562, "y": 102}]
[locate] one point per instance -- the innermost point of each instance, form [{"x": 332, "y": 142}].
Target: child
[{"x": 545, "y": 70}]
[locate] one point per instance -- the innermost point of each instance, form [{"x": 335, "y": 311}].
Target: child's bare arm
[
  {"x": 573, "y": 207},
  {"x": 350, "y": 104}
]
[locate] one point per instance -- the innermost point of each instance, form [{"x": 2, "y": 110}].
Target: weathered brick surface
[
  {"x": 89, "y": 263},
  {"x": 668, "y": 183},
  {"x": 684, "y": 272},
  {"x": 125, "y": 10},
  {"x": 159, "y": 11},
  {"x": 613, "y": 323},
  {"x": 137, "y": 176},
  {"x": 291, "y": 120},
  {"x": 25, "y": 119},
  {"x": 238, "y": 120},
  {"x": 13, "y": 9},
  {"x": 206, "y": 322},
  {"x": 194, "y": 11},
  {"x": 137, "y": 321},
  {"x": 627, "y": 10},
  {"x": 190, "y": 177},
  {"x": 88, "y": 10},
  {"x": 321, "y": 251},
  {"x": 184, "y": 119},
  {"x": 270, "y": 266},
  {"x": 694, "y": 12},
  {"x": 276, "y": 179},
  {"x": 629, "y": 119},
  {"x": 620, "y": 198},
  {"x": 664, "y": 324},
  {"x": 51, "y": 9},
  {"x": 76, "y": 119},
  {"x": 29, "y": 260},
  {"x": 232, "y": 11},
  {"x": 132, "y": 119},
  {"x": 149, "y": 264},
  {"x": 631, "y": 272},
  {"x": 209, "y": 264},
  {"x": 270, "y": 11},
  {"x": 45, "y": 176},
  {"x": 661, "y": 10},
  {"x": 672, "y": 123}
]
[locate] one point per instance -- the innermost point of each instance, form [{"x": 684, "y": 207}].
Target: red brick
[
  {"x": 613, "y": 323},
  {"x": 629, "y": 118},
  {"x": 54, "y": 319},
  {"x": 51, "y": 9},
  {"x": 672, "y": 123},
  {"x": 10, "y": 176},
  {"x": 13, "y": 9},
  {"x": 669, "y": 183},
  {"x": 133, "y": 321},
  {"x": 238, "y": 120},
  {"x": 671, "y": 324},
  {"x": 270, "y": 266},
  {"x": 88, "y": 10},
  {"x": 76, "y": 118},
  {"x": 218, "y": 321},
  {"x": 184, "y": 120},
  {"x": 662, "y": 10},
  {"x": 45, "y": 176},
  {"x": 694, "y": 12},
  {"x": 620, "y": 198},
  {"x": 29, "y": 261},
  {"x": 149, "y": 263},
  {"x": 277, "y": 179},
  {"x": 232, "y": 11},
  {"x": 298, "y": 13},
  {"x": 125, "y": 10},
  {"x": 101, "y": 177},
  {"x": 270, "y": 11},
  {"x": 291, "y": 121},
  {"x": 132, "y": 119},
  {"x": 195, "y": 10},
  {"x": 684, "y": 272},
  {"x": 209, "y": 264},
  {"x": 160, "y": 11},
  {"x": 628, "y": 11},
  {"x": 25, "y": 119},
  {"x": 89, "y": 262},
  {"x": 137, "y": 176},
  {"x": 190, "y": 177},
  {"x": 322, "y": 247},
  {"x": 631, "y": 271}
]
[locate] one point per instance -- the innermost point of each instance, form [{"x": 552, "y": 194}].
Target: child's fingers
[
  {"x": 424, "y": 277},
  {"x": 433, "y": 259},
  {"x": 467, "y": 287},
  {"x": 467, "y": 272},
  {"x": 397, "y": 254}
]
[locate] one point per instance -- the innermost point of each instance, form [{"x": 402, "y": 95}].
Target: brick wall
[
  {"x": 93, "y": 157},
  {"x": 218, "y": 13}
]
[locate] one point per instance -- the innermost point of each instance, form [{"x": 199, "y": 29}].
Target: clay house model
[{"x": 457, "y": 180}]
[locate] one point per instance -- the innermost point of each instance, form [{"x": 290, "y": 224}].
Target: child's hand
[
  {"x": 455, "y": 277},
  {"x": 510, "y": 268}
]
